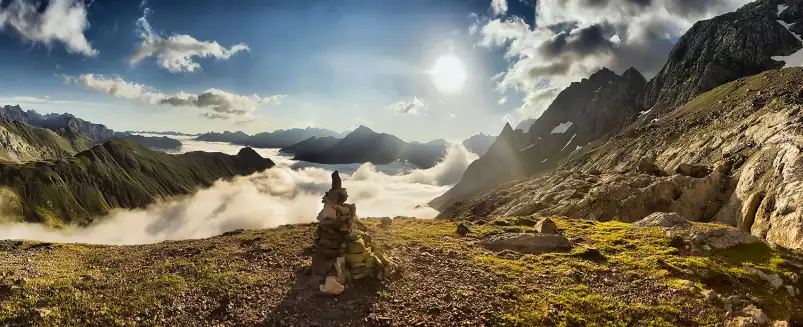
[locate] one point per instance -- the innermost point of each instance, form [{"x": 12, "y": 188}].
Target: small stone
[
  {"x": 43, "y": 312},
  {"x": 780, "y": 323},
  {"x": 710, "y": 295},
  {"x": 774, "y": 280},
  {"x": 592, "y": 254},
  {"x": 758, "y": 316},
  {"x": 546, "y": 226},
  {"x": 462, "y": 230},
  {"x": 706, "y": 247},
  {"x": 791, "y": 290},
  {"x": 332, "y": 286},
  {"x": 741, "y": 322}
]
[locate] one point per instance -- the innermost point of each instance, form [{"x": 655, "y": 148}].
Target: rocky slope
[
  {"x": 731, "y": 155},
  {"x": 116, "y": 174},
  {"x": 581, "y": 113},
  {"x": 719, "y": 50},
  {"x": 612, "y": 274},
  {"x": 20, "y": 142},
  {"x": 64, "y": 124}
]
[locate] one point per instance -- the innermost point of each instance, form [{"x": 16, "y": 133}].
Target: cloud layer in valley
[
  {"x": 62, "y": 21},
  {"x": 222, "y": 104},
  {"x": 277, "y": 196},
  {"x": 571, "y": 39},
  {"x": 176, "y": 53}
]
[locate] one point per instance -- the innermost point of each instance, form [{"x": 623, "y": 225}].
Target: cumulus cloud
[
  {"x": 176, "y": 53},
  {"x": 277, "y": 196},
  {"x": 499, "y": 7},
  {"x": 575, "y": 38},
  {"x": 62, "y": 21},
  {"x": 223, "y": 105},
  {"x": 414, "y": 107}
]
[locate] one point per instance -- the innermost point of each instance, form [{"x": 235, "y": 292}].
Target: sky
[{"x": 418, "y": 69}]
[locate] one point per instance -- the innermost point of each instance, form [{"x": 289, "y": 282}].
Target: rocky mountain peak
[{"x": 722, "y": 49}]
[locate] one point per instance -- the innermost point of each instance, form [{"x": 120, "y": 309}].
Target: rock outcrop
[{"x": 344, "y": 252}]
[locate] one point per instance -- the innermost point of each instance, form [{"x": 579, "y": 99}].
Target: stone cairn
[{"x": 344, "y": 252}]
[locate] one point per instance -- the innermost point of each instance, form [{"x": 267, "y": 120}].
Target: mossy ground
[{"x": 255, "y": 277}]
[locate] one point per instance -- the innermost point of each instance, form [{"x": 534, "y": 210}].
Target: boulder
[
  {"x": 663, "y": 219},
  {"x": 462, "y": 229},
  {"x": 546, "y": 226},
  {"x": 332, "y": 286},
  {"x": 527, "y": 243},
  {"x": 646, "y": 165},
  {"x": 386, "y": 221},
  {"x": 721, "y": 238},
  {"x": 696, "y": 171},
  {"x": 710, "y": 295},
  {"x": 773, "y": 280}
]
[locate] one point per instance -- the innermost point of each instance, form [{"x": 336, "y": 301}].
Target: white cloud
[
  {"x": 280, "y": 195},
  {"x": 575, "y": 38},
  {"x": 175, "y": 53},
  {"x": 223, "y": 105},
  {"x": 414, "y": 107},
  {"x": 503, "y": 100},
  {"x": 47, "y": 101},
  {"x": 499, "y": 7},
  {"x": 62, "y": 20}
]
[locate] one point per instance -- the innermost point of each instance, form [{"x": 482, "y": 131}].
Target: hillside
[
  {"x": 20, "y": 142},
  {"x": 730, "y": 155},
  {"x": 116, "y": 174},
  {"x": 615, "y": 275}
]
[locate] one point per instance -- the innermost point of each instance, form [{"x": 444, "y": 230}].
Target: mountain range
[
  {"x": 116, "y": 174},
  {"x": 276, "y": 139},
  {"x": 714, "y": 136},
  {"x": 67, "y": 129}
]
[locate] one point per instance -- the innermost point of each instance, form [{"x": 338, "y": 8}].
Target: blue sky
[
  {"x": 339, "y": 63},
  {"x": 419, "y": 69}
]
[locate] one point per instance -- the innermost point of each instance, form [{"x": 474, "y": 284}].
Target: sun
[{"x": 448, "y": 74}]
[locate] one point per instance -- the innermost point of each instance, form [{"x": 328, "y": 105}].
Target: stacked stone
[{"x": 344, "y": 252}]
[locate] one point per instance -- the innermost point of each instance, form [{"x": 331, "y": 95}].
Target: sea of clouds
[{"x": 288, "y": 193}]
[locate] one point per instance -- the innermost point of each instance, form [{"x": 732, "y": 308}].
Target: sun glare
[{"x": 448, "y": 74}]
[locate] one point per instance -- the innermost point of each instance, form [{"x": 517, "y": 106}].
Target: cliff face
[
  {"x": 581, "y": 113},
  {"x": 719, "y": 50},
  {"x": 116, "y": 174}
]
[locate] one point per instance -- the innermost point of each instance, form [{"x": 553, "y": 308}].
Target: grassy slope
[
  {"x": 116, "y": 174},
  {"x": 46, "y": 141},
  {"x": 254, "y": 277}
]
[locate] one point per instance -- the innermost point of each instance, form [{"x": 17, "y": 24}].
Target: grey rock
[
  {"x": 663, "y": 219},
  {"x": 527, "y": 243}
]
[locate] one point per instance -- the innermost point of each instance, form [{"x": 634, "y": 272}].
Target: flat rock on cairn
[{"x": 344, "y": 252}]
